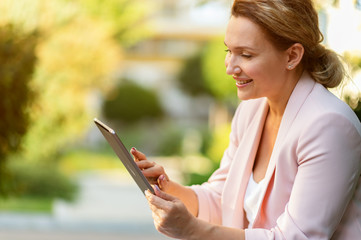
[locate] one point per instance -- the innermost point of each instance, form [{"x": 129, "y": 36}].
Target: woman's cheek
[{"x": 251, "y": 70}]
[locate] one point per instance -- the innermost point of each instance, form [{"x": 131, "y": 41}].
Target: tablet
[{"x": 124, "y": 156}]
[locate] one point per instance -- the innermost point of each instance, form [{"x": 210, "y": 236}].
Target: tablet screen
[{"x": 124, "y": 156}]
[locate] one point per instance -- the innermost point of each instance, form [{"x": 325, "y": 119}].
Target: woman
[{"x": 292, "y": 169}]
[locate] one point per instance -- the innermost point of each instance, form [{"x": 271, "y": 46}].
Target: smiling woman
[
  {"x": 292, "y": 168},
  {"x": 256, "y": 64}
]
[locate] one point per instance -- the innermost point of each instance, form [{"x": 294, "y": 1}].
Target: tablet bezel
[{"x": 124, "y": 156}]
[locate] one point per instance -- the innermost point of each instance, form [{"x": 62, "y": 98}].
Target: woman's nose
[{"x": 231, "y": 67}]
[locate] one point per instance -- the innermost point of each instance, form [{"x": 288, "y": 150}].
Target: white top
[{"x": 252, "y": 199}]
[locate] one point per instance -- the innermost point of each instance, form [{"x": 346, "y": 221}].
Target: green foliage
[
  {"x": 358, "y": 110},
  {"x": 191, "y": 77},
  {"x": 26, "y": 204},
  {"x": 353, "y": 59},
  {"x": 220, "y": 84},
  {"x": 355, "y": 104},
  {"x": 216, "y": 144},
  {"x": 170, "y": 142},
  {"x": 205, "y": 73},
  {"x": 115, "y": 13},
  {"x": 77, "y": 56},
  {"x": 17, "y": 62},
  {"x": 41, "y": 180},
  {"x": 131, "y": 103},
  {"x": 219, "y": 143},
  {"x": 83, "y": 159},
  {"x": 194, "y": 178}
]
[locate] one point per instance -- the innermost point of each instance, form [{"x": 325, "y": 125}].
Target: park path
[{"x": 109, "y": 206}]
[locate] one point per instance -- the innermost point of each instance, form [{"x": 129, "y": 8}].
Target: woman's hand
[
  {"x": 170, "y": 215},
  {"x": 172, "y": 218},
  {"x": 154, "y": 173}
]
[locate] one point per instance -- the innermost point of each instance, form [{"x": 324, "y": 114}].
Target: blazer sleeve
[
  {"x": 210, "y": 193},
  {"x": 329, "y": 164}
]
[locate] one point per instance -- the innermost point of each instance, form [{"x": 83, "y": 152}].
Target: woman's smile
[
  {"x": 242, "y": 82},
  {"x": 258, "y": 67}
]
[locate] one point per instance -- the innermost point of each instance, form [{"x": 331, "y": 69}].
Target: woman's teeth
[{"x": 243, "y": 82}]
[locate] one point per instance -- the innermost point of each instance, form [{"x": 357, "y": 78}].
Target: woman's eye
[
  {"x": 246, "y": 55},
  {"x": 227, "y": 51}
]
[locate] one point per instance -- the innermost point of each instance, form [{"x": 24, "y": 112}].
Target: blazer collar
[
  {"x": 300, "y": 93},
  {"x": 241, "y": 169}
]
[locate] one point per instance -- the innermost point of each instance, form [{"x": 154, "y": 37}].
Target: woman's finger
[
  {"x": 163, "y": 182},
  {"x": 163, "y": 195},
  {"x": 155, "y": 171},
  {"x": 138, "y": 156},
  {"x": 157, "y": 203},
  {"x": 144, "y": 164}
]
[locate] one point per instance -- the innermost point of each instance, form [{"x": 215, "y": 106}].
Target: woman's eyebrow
[{"x": 242, "y": 47}]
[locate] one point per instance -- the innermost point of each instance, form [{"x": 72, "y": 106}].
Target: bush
[
  {"x": 191, "y": 78},
  {"x": 170, "y": 142},
  {"x": 41, "y": 181},
  {"x": 131, "y": 103},
  {"x": 214, "y": 147}
]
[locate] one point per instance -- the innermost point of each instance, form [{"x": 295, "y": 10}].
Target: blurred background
[{"x": 151, "y": 69}]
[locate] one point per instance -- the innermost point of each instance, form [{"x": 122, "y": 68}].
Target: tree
[
  {"x": 78, "y": 51},
  {"x": 17, "y": 62},
  {"x": 78, "y": 57}
]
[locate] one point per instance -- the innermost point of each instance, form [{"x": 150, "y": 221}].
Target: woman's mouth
[{"x": 243, "y": 83}]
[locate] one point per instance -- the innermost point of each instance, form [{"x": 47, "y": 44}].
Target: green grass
[
  {"x": 72, "y": 162},
  {"x": 86, "y": 159},
  {"x": 29, "y": 205}
]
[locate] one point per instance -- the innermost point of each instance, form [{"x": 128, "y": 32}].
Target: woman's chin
[{"x": 242, "y": 96}]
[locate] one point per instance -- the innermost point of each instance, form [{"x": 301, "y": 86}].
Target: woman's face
[{"x": 258, "y": 68}]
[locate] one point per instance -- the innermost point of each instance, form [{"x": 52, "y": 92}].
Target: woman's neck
[{"x": 278, "y": 104}]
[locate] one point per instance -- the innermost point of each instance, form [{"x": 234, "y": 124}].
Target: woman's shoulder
[
  {"x": 324, "y": 104},
  {"x": 323, "y": 108}
]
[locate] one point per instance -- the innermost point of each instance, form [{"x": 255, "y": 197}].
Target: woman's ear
[{"x": 294, "y": 54}]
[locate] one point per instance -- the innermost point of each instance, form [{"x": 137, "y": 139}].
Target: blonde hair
[{"x": 286, "y": 22}]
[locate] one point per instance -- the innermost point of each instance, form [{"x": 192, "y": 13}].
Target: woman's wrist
[
  {"x": 194, "y": 229},
  {"x": 198, "y": 229},
  {"x": 171, "y": 187}
]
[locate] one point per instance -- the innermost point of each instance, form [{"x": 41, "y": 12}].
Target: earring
[{"x": 290, "y": 66}]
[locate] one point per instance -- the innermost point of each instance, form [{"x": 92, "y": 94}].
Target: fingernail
[
  {"x": 161, "y": 177},
  {"x": 156, "y": 187},
  {"x": 147, "y": 193}
]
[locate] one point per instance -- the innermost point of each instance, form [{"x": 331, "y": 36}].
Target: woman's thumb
[{"x": 163, "y": 195}]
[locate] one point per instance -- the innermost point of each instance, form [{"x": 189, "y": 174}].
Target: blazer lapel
[
  {"x": 241, "y": 169},
  {"x": 295, "y": 102}
]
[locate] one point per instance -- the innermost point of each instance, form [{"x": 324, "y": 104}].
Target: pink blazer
[{"x": 313, "y": 178}]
